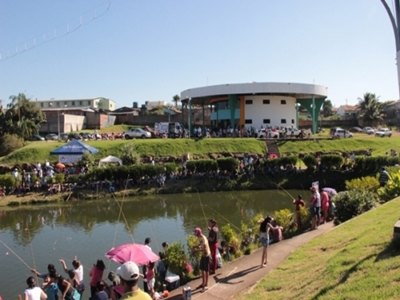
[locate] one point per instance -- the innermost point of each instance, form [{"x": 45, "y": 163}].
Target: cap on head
[
  {"x": 197, "y": 231},
  {"x": 129, "y": 271}
]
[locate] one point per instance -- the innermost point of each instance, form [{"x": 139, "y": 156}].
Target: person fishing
[{"x": 265, "y": 227}]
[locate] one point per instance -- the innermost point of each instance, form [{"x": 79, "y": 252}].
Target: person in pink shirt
[
  {"x": 96, "y": 275},
  {"x": 324, "y": 206}
]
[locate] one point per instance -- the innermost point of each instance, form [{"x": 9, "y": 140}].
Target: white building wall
[{"x": 275, "y": 111}]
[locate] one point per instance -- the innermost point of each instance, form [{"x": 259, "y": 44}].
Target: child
[{"x": 150, "y": 276}]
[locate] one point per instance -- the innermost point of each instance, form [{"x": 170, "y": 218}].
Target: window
[
  {"x": 58, "y": 104},
  {"x": 73, "y": 103},
  {"x": 283, "y": 101},
  {"x": 80, "y": 103},
  {"x": 249, "y": 102},
  {"x": 292, "y": 121},
  {"x": 266, "y": 121},
  {"x": 248, "y": 121},
  {"x": 41, "y": 105},
  {"x": 283, "y": 121},
  {"x": 266, "y": 101}
]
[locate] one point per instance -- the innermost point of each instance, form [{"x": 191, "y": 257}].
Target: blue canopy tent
[{"x": 73, "y": 151}]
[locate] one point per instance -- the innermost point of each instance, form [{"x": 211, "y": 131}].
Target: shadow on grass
[
  {"x": 343, "y": 279},
  {"x": 392, "y": 250}
]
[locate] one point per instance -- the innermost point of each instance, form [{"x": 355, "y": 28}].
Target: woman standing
[
  {"x": 213, "y": 243},
  {"x": 265, "y": 227},
  {"x": 34, "y": 292}
]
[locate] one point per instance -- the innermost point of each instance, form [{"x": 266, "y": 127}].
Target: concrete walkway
[{"x": 239, "y": 276}]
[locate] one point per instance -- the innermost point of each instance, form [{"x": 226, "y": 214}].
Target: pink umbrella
[
  {"x": 138, "y": 253},
  {"x": 331, "y": 191}
]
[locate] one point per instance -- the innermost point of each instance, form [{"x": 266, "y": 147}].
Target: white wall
[{"x": 275, "y": 111}]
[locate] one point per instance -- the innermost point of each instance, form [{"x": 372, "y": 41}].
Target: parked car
[
  {"x": 136, "y": 133},
  {"x": 340, "y": 133},
  {"x": 356, "y": 129},
  {"x": 369, "y": 130},
  {"x": 382, "y": 132},
  {"x": 51, "y": 137},
  {"x": 36, "y": 137},
  {"x": 268, "y": 133}
]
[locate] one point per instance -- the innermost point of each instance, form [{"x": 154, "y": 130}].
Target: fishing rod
[{"x": 16, "y": 255}]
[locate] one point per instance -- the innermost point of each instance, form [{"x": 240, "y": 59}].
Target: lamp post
[{"x": 395, "y": 19}]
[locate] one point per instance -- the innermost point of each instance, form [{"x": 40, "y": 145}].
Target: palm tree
[
  {"x": 370, "y": 110},
  {"x": 176, "y": 98}
]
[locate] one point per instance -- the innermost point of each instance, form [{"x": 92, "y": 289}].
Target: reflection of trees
[{"x": 195, "y": 209}]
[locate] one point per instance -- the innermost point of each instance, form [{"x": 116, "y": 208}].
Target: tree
[
  {"x": 176, "y": 98},
  {"x": 22, "y": 117},
  {"x": 370, "y": 110},
  {"x": 327, "y": 109}
]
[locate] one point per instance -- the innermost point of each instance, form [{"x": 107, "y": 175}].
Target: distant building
[
  {"x": 93, "y": 103},
  {"x": 154, "y": 104},
  {"x": 347, "y": 111}
]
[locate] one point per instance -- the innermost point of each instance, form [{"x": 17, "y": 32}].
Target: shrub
[
  {"x": 284, "y": 218},
  {"x": 177, "y": 259},
  {"x": 7, "y": 180},
  {"x": 310, "y": 161},
  {"x": 10, "y": 143},
  {"x": 391, "y": 189},
  {"x": 352, "y": 203},
  {"x": 229, "y": 164},
  {"x": 367, "y": 183},
  {"x": 194, "y": 255},
  {"x": 129, "y": 155},
  {"x": 331, "y": 162},
  {"x": 231, "y": 238}
]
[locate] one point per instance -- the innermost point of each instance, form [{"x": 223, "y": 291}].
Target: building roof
[{"x": 298, "y": 90}]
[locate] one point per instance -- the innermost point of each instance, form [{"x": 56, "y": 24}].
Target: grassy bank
[
  {"x": 34, "y": 152},
  {"x": 354, "y": 261},
  {"x": 40, "y": 151}
]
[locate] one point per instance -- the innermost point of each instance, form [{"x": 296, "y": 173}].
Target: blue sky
[{"x": 134, "y": 51}]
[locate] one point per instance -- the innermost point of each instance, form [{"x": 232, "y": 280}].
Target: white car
[
  {"x": 369, "y": 130},
  {"x": 341, "y": 133},
  {"x": 268, "y": 133},
  {"x": 136, "y": 133},
  {"x": 382, "y": 132}
]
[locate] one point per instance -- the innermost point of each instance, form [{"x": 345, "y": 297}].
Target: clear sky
[{"x": 133, "y": 51}]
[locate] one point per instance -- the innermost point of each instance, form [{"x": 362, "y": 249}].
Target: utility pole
[{"x": 395, "y": 19}]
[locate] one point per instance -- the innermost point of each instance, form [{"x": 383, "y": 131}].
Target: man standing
[
  {"x": 315, "y": 207},
  {"x": 205, "y": 257},
  {"x": 129, "y": 275}
]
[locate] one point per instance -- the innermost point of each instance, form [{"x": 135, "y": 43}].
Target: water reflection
[{"x": 43, "y": 234}]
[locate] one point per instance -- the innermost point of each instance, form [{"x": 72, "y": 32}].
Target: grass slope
[
  {"x": 354, "y": 261},
  {"x": 40, "y": 151}
]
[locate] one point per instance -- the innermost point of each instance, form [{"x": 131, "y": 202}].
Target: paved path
[{"x": 239, "y": 276}]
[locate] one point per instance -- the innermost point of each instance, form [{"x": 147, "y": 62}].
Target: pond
[{"x": 39, "y": 235}]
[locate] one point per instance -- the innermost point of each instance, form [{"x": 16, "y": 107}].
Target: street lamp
[{"x": 394, "y": 20}]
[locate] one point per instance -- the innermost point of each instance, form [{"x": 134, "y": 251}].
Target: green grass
[
  {"x": 39, "y": 151},
  {"x": 356, "y": 260}
]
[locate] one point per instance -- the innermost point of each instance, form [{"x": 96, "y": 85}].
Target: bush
[
  {"x": 391, "y": 189},
  {"x": 331, "y": 162},
  {"x": 177, "y": 259},
  {"x": 232, "y": 240},
  {"x": 7, "y": 180},
  {"x": 367, "y": 183},
  {"x": 227, "y": 164},
  {"x": 10, "y": 143},
  {"x": 284, "y": 218},
  {"x": 352, "y": 203},
  {"x": 310, "y": 161}
]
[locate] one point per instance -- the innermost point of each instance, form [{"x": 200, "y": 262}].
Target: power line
[{"x": 85, "y": 19}]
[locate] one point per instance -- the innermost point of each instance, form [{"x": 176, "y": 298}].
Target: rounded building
[{"x": 257, "y": 104}]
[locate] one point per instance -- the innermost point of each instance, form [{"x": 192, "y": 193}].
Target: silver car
[{"x": 136, "y": 133}]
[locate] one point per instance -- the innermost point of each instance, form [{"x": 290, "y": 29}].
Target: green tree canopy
[
  {"x": 22, "y": 117},
  {"x": 370, "y": 110},
  {"x": 327, "y": 108}
]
